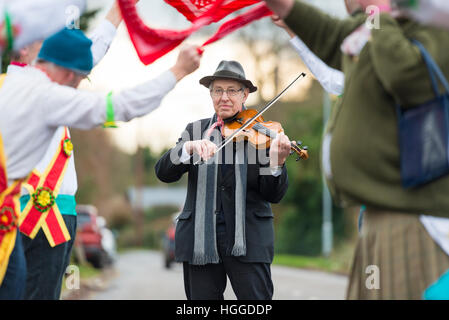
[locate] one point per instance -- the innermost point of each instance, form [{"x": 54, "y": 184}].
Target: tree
[
  {"x": 299, "y": 216},
  {"x": 268, "y": 48}
]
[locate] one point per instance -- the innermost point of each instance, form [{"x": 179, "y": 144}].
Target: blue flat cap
[{"x": 68, "y": 48}]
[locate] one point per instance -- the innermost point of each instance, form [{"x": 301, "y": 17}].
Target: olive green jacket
[{"x": 364, "y": 151}]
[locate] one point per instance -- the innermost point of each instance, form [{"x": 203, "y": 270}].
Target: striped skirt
[{"x": 395, "y": 258}]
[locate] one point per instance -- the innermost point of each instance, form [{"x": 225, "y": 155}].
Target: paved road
[{"x": 140, "y": 275}]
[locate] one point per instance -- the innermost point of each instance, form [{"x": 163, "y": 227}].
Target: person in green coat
[{"x": 395, "y": 257}]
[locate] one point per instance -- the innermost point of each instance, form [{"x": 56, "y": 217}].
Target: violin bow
[{"x": 262, "y": 111}]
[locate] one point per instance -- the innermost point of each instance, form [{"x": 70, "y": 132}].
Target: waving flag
[
  {"x": 152, "y": 44},
  {"x": 193, "y": 9},
  {"x": 255, "y": 13}
]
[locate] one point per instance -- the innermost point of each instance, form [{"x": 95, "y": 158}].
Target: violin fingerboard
[{"x": 264, "y": 130}]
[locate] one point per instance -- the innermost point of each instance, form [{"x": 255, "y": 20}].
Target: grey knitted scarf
[{"x": 205, "y": 244}]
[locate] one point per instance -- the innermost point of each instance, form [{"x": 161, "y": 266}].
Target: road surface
[{"x": 140, "y": 275}]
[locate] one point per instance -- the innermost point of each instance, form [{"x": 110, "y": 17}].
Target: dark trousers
[
  {"x": 250, "y": 281},
  {"x": 13, "y": 285},
  {"x": 46, "y": 265}
]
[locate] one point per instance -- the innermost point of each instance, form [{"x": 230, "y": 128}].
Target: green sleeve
[
  {"x": 322, "y": 33},
  {"x": 398, "y": 63}
]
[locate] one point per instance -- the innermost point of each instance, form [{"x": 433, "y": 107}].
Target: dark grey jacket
[{"x": 261, "y": 190}]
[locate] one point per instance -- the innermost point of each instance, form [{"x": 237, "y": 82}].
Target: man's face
[
  {"x": 65, "y": 77},
  {"x": 33, "y": 51},
  {"x": 76, "y": 80},
  {"x": 228, "y": 97}
]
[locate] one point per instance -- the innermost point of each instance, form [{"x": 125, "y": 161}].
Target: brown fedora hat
[{"x": 231, "y": 70}]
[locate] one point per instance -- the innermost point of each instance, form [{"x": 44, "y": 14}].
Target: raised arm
[
  {"x": 81, "y": 109},
  {"x": 331, "y": 80},
  {"x": 322, "y": 33}
]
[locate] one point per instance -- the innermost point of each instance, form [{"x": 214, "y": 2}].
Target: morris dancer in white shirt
[
  {"x": 13, "y": 286},
  {"x": 101, "y": 38},
  {"x": 37, "y": 101},
  {"x": 46, "y": 283},
  {"x": 22, "y": 22}
]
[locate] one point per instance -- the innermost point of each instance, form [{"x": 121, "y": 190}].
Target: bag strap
[{"x": 434, "y": 70}]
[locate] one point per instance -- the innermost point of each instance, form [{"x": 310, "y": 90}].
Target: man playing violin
[{"x": 226, "y": 226}]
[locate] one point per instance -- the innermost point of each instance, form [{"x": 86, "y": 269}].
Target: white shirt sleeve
[
  {"x": 143, "y": 98},
  {"x": 66, "y": 106},
  {"x": 276, "y": 172},
  {"x": 332, "y": 80},
  {"x": 184, "y": 156},
  {"x": 102, "y": 38}
]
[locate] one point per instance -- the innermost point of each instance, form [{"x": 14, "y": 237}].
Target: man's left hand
[{"x": 279, "y": 150}]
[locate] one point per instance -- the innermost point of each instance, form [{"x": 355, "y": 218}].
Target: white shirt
[
  {"x": 69, "y": 185},
  {"x": 438, "y": 229},
  {"x": 101, "y": 38},
  {"x": 32, "y": 108},
  {"x": 38, "y": 19},
  {"x": 332, "y": 80}
]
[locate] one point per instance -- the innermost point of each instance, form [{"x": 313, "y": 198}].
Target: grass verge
[
  {"x": 312, "y": 263},
  {"x": 339, "y": 260}
]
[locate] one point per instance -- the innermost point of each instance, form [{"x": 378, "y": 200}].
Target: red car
[
  {"x": 168, "y": 242},
  {"x": 90, "y": 235}
]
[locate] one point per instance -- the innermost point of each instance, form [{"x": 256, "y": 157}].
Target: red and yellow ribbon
[
  {"x": 2, "y": 78},
  {"x": 9, "y": 209},
  {"x": 42, "y": 211},
  {"x": 3, "y": 177}
]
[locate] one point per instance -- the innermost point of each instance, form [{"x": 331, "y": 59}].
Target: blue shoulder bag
[{"x": 424, "y": 133}]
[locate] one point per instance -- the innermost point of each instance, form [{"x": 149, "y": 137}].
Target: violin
[
  {"x": 259, "y": 133},
  {"x": 249, "y": 124}
]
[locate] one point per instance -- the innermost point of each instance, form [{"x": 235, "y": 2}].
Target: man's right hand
[
  {"x": 280, "y": 7},
  {"x": 204, "y": 148},
  {"x": 188, "y": 61}
]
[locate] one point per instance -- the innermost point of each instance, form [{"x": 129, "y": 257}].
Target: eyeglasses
[{"x": 231, "y": 92}]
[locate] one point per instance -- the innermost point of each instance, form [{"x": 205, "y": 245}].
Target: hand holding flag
[
  {"x": 152, "y": 44},
  {"x": 187, "y": 62}
]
